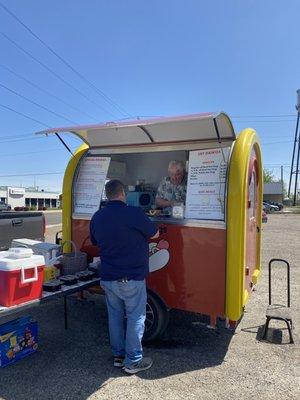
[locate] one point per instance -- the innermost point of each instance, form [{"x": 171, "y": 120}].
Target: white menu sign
[
  {"x": 90, "y": 184},
  {"x": 207, "y": 173}
]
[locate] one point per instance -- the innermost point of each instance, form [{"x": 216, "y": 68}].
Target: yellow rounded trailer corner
[
  {"x": 67, "y": 196},
  {"x": 237, "y": 201}
]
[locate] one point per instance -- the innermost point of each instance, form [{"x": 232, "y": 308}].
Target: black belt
[{"x": 123, "y": 280}]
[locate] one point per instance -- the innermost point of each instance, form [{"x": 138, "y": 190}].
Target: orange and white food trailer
[{"x": 206, "y": 261}]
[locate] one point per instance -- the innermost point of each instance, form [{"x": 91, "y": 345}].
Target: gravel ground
[{"x": 192, "y": 362}]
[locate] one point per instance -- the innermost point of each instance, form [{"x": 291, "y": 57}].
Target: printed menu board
[
  {"x": 90, "y": 184},
  {"x": 205, "y": 198}
]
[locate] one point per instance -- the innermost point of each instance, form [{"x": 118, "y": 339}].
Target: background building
[
  {"x": 28, "y": 197},
  {"x": 273, "y": 192}
]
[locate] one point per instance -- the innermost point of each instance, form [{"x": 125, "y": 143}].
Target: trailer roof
[{"x": 195, "y": 127}]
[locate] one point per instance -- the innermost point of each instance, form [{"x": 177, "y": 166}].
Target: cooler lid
[
  {"x": 195, "y": 127},
  {"x": 10, "y": 263}
]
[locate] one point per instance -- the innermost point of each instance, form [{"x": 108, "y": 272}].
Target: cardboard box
[{"x": 18, "y": 339}]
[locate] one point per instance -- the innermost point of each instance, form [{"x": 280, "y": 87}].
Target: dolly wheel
[{"x": 157, "y": 318}]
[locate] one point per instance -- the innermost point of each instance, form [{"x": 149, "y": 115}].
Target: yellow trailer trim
[
  {"x": 255, "y": 276},
  {"x": 237, "y": 223},
  {"x": 246, "y": 296},
  {"x": 67, "y": 196}
]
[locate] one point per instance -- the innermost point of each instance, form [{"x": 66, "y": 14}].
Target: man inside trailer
[{"x": 172, "y": 189}]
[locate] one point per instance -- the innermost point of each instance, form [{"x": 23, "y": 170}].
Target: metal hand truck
[{"x": 278, "y": 311}]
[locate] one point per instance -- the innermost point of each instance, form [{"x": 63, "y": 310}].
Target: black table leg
[{"x": 66, "y": 312}]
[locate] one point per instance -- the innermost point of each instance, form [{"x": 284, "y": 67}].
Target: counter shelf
[{"x": 47, "y": 296}]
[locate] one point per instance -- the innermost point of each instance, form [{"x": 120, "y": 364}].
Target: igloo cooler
[{"x": 21, "y": 276}]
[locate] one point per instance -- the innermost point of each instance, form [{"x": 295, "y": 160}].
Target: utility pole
[
  {"x": 296, "y": 149},
  {"x": 282, "y": 185}
]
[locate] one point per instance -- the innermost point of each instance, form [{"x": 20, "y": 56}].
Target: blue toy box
[{"x": 18, "y": 339}]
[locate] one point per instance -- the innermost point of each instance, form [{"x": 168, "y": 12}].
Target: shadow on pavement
[
  {"x": 73, "y": 364},
  {"x": 277, "y": 335}
]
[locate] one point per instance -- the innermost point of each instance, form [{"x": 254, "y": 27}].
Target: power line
[
  {"x": 38, "y": 105},
  {"x": 278, "y": 165},
  {"x": 264, "y": 116},
  {"x": 29, "y": 152},
  {"x": 265, "y": 121},
  {"x": 20, "y": 140},
  {"x": 7, "y": 140},
  {"x": 24, "y": 115},
  {"x": 32, "y": 174},
  {"x": 17, "y": 136},
  {"x": 276, "y": 137},
  {"x": 46, "y": 92},
  {"x": 286, "y": 141},
  {"x": 26, "y": 135},
  {"x": 104, "y": 96},
  {"x": 54, "y": 73}
]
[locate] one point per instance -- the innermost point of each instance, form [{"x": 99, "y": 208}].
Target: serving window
[{"x": 142, "y": 173}]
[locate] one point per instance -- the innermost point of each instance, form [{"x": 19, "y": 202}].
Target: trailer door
[{"x": 252, "y": 222}]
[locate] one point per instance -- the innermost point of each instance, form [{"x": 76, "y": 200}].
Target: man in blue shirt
[{"x": 122, "y": 233}]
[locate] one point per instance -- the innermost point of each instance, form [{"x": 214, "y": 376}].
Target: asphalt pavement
[
  {"x": 191, "y": 362},
  {"x": 52, "y": 217}
]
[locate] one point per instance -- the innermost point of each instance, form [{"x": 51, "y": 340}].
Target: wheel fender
[{"x": 159, "y": 299}]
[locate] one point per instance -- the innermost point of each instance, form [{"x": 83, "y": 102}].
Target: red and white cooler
[{"x": 21, "y": 276}]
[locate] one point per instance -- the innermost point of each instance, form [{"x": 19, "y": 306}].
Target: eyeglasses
[{"x": 177, "y": 173}]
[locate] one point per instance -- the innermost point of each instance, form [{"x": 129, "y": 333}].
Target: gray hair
[{"x": 176, "y": 164}]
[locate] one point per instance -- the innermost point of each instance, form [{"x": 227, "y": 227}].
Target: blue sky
[{"x": 153, "y": 58}]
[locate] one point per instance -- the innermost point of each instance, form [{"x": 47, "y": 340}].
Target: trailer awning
[{"x": 196, "y": 127}]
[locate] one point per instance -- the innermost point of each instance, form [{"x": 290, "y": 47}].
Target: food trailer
[{"x": 207, "y": 259}]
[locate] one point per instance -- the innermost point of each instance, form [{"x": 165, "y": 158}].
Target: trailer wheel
[{"x": 157, "y": 318}]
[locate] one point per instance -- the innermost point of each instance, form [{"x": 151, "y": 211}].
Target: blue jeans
[{"x": 126, "y": 299}]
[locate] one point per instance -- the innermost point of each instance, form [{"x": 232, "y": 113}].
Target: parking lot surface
[{"x": 191, "y": 362}]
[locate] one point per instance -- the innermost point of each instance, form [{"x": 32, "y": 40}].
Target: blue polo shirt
[{"x": 122, "y": 233}]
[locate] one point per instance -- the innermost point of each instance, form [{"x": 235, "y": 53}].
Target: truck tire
[{"x": 157, "y": 318}]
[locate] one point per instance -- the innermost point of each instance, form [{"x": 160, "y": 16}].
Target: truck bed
[{"x": 17, "y": 225}]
